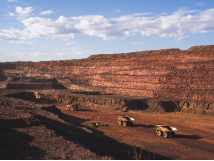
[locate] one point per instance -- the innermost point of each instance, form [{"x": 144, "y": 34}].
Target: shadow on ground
[
  {"x": 2, "y": 76},
  {"x": 15, "y": 145},
  {"x": 94, "y": 139},
  {"x": 36, "y": 86},
  {"x": 187, "y": 136},
  {"x": 141, "y": 125}
]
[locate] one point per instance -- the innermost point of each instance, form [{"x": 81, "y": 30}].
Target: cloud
[
  {"x": 139, "y": 43},
  {"x": 24, "y": 12},
  {"x": 21, "y": 13},
  {"x": 179, "y": 25},
  {"x": 48, "y": 12},
  {"x": 44, "y": 27},
  {"x": 11, "y": 0},
  {"x": 117, "y": 10},
  {"x": 14, "y": 36},
  {"x": 70, "y": 43},
  {"x": 11, "y": 14},
  {"x": 73, "y": 51},
  {"x": 141, "y": 14},
  {"x": 39, "y": 54},
  {"x": 77, "y": 51},
  {"x": 200, "y": 4}
]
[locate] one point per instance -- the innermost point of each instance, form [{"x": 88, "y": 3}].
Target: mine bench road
[{"x": 188, "y": 143}]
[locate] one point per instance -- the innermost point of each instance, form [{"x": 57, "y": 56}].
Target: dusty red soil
[
  {"x": 31, "y": 130},
  {"x": 28, "y": 131},
  {"x": 189, "y": 143}
]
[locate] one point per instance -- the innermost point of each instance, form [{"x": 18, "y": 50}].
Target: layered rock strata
[{"x": 169, "y": 74}]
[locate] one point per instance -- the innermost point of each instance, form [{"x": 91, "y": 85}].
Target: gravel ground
[{"x": 24, "y": 136}]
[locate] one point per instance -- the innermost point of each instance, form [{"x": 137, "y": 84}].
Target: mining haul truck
[
  {"x": 72, "y": 107},
  {"x": 125, "y": 120},
  {"x": 165, "y": 130},
  {"x": 39, "y": 96}
]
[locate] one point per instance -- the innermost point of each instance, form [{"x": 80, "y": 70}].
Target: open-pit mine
[{"x": 159, "y": 87}]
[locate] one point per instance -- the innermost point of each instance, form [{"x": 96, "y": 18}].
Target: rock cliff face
[{"x": 169, "y": 74}]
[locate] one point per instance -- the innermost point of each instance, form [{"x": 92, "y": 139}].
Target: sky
[{"x": 44, "y": 30}]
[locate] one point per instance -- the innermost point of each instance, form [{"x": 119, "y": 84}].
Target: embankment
[
  {"x": 119, "y": 103},
  {"x": 166, "y": 75}
]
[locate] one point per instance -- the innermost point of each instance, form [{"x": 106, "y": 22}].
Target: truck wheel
[
  {"x": 165, "y": 134},
  {"x": 68, "y": 108},
  {"x": 124, "y": 123},
  {"x": 119, "y": 122},
  {"x": 71, "y": 109},
  {"x": 159, "y": 133}
]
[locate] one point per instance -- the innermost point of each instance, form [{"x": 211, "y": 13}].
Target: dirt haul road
[{"x": 192, "y": 140}]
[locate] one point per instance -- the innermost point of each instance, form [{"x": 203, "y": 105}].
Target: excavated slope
[
  {"x": 167, "y": 74},
  {"x": 171, "y": 73}
]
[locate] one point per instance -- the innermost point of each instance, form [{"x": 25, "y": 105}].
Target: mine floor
[
  {"x": 60, "y": 130},
  {"x": 193, "y": 140}
]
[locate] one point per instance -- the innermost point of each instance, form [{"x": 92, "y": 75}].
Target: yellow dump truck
[
  {"x": 72, "y": 107},
  {"x": 165, "y": 130},
  {"x": 125, "y": 120},
  {"x": 39, "y": 96}
]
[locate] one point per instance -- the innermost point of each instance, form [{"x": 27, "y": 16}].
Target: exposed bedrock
[
  {"x": 168, "y": 74},
  {"x": 172, "y": 74},
  {"x": 145, "y": 105}
]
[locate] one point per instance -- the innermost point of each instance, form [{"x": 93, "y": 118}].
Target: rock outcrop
[{"x": 169, "y": 74}]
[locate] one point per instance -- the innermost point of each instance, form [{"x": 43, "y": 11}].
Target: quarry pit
[{"x": 169, "y": 86}]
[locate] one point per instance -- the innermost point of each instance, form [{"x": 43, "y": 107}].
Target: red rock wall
[{"x": 172, "y": 74}]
